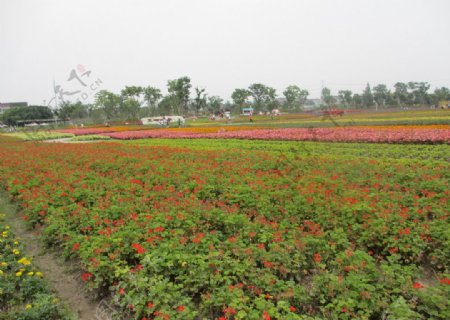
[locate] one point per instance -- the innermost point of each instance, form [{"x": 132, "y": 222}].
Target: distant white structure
[
  {"x": 163, "y": 121},
  {"x": 247, "y": 111}
]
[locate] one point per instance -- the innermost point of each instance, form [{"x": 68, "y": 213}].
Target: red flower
[
  {"x": 85, "y": 276},
  {"x": 292, "y": 308},
  {"x": 317, "y": 257},
  {"x": 344, "y": 309},
  {"x": 180, "y": 308},
  {"x": 266, "y": 316},
  {"x": 136, "y": 181},
  {"x": 150, "y": 305},
  {"x": 122, "y": 291},
  {"x": 229, "y": 311},
  {"x": 404, "y": 231},
  {"x": 232, "y": 239},
  {"x": 393, "y": 250},
  {"x": 445, "y": 281},
  {"x": 418, "y": 285},
  {"x": 76, "y": 247},
  {"x": 138, "y": 248},
  {"x": 159, "y": 229}
]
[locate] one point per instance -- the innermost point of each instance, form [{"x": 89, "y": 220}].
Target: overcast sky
[{"x": 220, "y": 44}]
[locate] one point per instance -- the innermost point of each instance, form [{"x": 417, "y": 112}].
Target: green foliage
[
  {"x": 367, "y": 97},
  {"x": 295, "y": 97},
  {"x": 264, "y": 97},
  {"x": 327, "y": 97},
  {"x": 214, "y": 103},
  {"x": 179, "y": 91},
  {"x": 65, "y": 110},
  {"x": 90, "y": 137},
  {"x": 13, "y": 115},
  {"x": 39, "y": 135},
  {"x": 240, "y": 97},
  {"x": 108, "y": 102}
]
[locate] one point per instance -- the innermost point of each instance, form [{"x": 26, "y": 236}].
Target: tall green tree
[
  {"x": 271, "y": 100},
  {"x": 131, "y": 101},
  {"x": 200, "y": 101},
  {"x": 367, "y": 96},
  {"x": 380, "y": 95},
  {"x": 166, "y": 105},
  {"x": 152, "y": 96},
  {"x": 179, "y": 89},
  {"x": 240, "y": 97},
  {"x": 357, "y": 100},
  {"x": 80, "y": 110},
  {"x": 130, "y": 107},
  {"x": 420, "y": 93},
  {"x": 327, "y": 98},
  {"x": 214, "y": 104},
  {"x": 65, "y": 110},
  {"x": 441, "y": 94},
  {"x": 259, "y": 93},
  {"x": 295, "y": 97},
  {"x": 401, "y": 93},
  {"x": 107, "y": 102},
  {"x": 346, "y": 97}
]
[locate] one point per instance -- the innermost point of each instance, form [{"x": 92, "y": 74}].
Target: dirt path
[{"x": 66, "y": 282}]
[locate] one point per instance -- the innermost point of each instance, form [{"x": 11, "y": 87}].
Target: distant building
[
  {"x": 8, "y": 105},
  {"x": 247, "y": 111}
]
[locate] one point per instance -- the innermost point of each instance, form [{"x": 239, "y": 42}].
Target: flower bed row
[
  {"x": 38, "y": 135},
  {"x": 86, "y": 131},
  {"x": 338, "y": 134},
  {"x": 189, "y": 130}
]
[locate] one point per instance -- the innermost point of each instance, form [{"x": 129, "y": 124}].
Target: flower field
[
  {"x": 336, "y": 134},
  {"x": 190, "y": 231}
]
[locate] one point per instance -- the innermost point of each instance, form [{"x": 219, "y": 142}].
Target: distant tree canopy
[
  {"x": 295, "y": 97},
  {"x": 13, "y": 115},
  {"x": 134, "y": 102},
  {"x": 379, "y": 96}
]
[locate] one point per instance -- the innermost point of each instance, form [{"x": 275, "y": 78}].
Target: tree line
[
  {"x": 134, "y": 102},
  {"x": 401, "y": 95}
]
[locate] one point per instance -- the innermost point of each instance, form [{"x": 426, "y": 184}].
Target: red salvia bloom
[
  {"x": 317, "y": 257},
  {"x": 138, "y": 248},
  {"x": 418, "y": 285}
]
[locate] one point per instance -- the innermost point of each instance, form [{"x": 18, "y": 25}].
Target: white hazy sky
[{"x": 222, "y": 44}]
